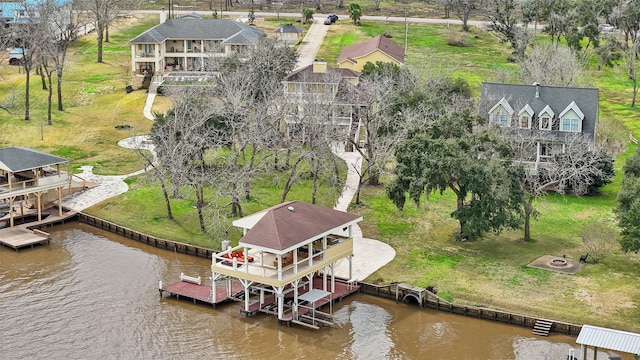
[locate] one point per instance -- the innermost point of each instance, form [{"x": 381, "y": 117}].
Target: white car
[{"x": 606, "y": 27}]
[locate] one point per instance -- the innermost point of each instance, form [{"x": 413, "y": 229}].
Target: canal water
[{"x": 90, "y": 294}]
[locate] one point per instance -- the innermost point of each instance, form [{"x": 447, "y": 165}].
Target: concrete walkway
[
  {"x": 369, "y": 255},
  {"x": 311, "y": 43}
]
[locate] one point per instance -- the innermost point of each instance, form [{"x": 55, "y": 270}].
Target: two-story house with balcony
[
  {"x": 546, "y": 117},
  {"x": 188, "y": 44},
  {"x": 286, "y": 258},
  {"x": 320, "y": 94}
]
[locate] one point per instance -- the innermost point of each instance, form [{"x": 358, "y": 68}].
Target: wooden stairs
[{"x": 542, "y": 327}]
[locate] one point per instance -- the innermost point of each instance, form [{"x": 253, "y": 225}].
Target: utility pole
[{"x": 406, "y": 30}]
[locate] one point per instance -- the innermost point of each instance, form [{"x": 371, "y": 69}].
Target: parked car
[
  {"x": 331, "y": 19},
  {"x": 606, "y": 27}
]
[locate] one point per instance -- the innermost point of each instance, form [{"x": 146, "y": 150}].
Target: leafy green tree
[
  {"x": 457, "y": 153},
  {"x": 628, "y": 210},
  {"x": 355, "y": 13},
  {"x": 307, "y": 15}
]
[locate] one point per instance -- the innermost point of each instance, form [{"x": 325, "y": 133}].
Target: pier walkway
[
  {"x": 28, "y": 234},
  {"x": 202, "y": 293}
]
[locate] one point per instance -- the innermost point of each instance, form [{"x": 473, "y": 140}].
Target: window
[
  {"x": 501, "y": 119},
  {"x": 545, "y": 150},
  {"x": 524, "y": 122},
  {"x": 545, "y": 123},
  {"x": 570, "y": 125}
]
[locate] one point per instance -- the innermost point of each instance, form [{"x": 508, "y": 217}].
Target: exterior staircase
[{"x": 542, "y": 327}]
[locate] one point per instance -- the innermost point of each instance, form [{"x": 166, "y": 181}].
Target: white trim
[
  {"x": 573, "y": 106},
  {"x": 505, "y": 104}
]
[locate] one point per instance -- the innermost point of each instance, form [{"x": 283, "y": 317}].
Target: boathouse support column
[
  {"x": 350, "y": 257},
  {"x": 280, "y": 300},
  {"x": 324, "y": 279},
  {"x": 246, "y": 284},
  {"x": 39, "y": 204},
  {"x": 295, "y": 285},
  {"x": 59, "y": 192},
  {"x": 214, "y": 277},
  {"x": 11, "y": 199}
]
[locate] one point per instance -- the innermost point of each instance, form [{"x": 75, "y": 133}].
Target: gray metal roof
[
  {"x": 556, "y": 97},
  {"x": 611, "y": 339},
  {"x": 200, "y": 29},
  {"x": 16, "y": 159}
]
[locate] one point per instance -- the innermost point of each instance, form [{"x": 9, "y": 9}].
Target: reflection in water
[{"x": 93, "y": 295}]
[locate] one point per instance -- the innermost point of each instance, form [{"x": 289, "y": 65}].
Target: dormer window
[
  {"x": 546, "y": 118},
  {"x": 501, "y": 119},
  {"x": 570, "y": 125},
  {"x": 545, "y": 123},
  {"x": 501, "y": 113},
  {"x": 524, "y": 117},
  {"x": 571, "y": 118}
]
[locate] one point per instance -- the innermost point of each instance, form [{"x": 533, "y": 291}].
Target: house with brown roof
[
  {"x": 288, "y": 251},
  {"x": 377, "y": 49}
]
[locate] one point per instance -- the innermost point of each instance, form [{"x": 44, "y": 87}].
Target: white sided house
[
  {"x": 285, "y": 260},
  {"x": 189, "y": 45},
  {"x": 549, "y": 116}
]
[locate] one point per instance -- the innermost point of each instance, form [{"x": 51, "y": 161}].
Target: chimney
[
  {"x": 319, "y": 66},
  {"x": 163, "y": 16},
  {"x": 537, "y": 89}
]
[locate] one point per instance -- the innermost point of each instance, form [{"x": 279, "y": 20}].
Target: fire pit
[{"x": 557, "y": 262}]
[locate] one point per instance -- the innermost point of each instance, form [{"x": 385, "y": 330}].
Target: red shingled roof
[
  {"x": 380, "y": 42},
  {"x": 294, "y": 222}
]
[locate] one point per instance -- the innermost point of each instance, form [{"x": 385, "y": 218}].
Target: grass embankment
[{"x": 490, "y": 272}]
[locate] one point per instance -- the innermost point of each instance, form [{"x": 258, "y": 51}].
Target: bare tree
[
  {"x": 547, "y": 64},
  {"x": 463, "y": 9},
  {"x": 28, "y": 38},
  {"x": 600, "y": 239},
  {"x": 396, "y": 104},
  {"x": 103, "y": 13},
  {"x": 575, "y": 165},
  {"x": 505, "y": 21},
  {"x": 627, "y": 17}
]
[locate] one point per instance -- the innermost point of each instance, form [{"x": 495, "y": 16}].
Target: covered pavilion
[
  {"x": 288, "y": 251},
  {"x": 26, "y": 174}
]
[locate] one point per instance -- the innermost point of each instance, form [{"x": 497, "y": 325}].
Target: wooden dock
[
  {"x": 29, "y": 234},
  {"x": 20, "y": 237},
  {"x": 201, "y": 293}
]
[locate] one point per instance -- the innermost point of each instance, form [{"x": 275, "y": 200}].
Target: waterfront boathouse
[
  {"x": 286, "y": 258},
  {"x": 30, "y": 181}
]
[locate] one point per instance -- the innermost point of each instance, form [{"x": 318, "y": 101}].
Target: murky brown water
[{"x": 93, "y": 295}]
